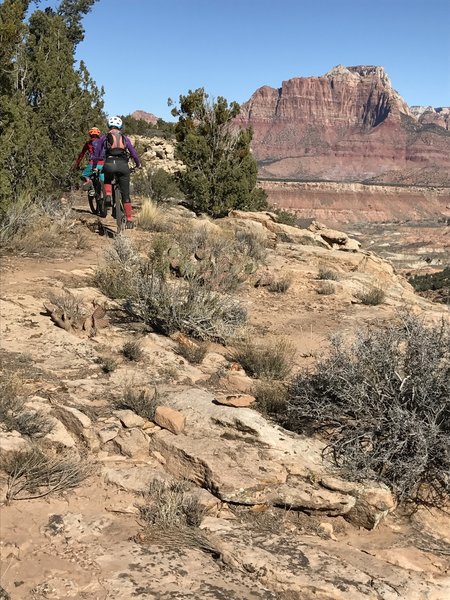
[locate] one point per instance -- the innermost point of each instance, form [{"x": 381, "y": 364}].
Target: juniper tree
[
  {"x": 220, "y": 170},
  {"x": 47, "y": 103}
]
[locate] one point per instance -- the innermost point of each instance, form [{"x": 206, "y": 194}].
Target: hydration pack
[{"x": 116, "y": 144}]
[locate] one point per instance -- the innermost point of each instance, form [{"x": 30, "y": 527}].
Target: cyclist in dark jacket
[
  {"x": 89, "y": 149},
  {"x": 117, "y": 149}
]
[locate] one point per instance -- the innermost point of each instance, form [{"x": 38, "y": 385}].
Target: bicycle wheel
[
  {"x": 94, "y": 196},
  {"x": 102, "y": 209},
  {"x": 120, "y": 213}
]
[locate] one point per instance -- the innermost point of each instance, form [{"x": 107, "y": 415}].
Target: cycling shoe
[{"x": 130, "y": 225}]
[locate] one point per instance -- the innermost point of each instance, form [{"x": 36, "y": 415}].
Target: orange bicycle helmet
[{"x": 95, "y": 131}]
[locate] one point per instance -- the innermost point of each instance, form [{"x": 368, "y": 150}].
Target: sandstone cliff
[
  {"x": 347, "y": 125},
  {"x": 145, "y": 116}
]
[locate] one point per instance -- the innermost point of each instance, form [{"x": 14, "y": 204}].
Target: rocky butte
[
  {"x": 350, "y": 126},
  {"x": 145, "y": 116}
]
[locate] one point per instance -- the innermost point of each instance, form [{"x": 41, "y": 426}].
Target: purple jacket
[{"x": 100, "y": 150}]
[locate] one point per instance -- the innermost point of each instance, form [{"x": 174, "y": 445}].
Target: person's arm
[
  {"x": 82, "y": 153},
  {"x": 98, "y": 151},
  {"x": 132, "y": 150}
]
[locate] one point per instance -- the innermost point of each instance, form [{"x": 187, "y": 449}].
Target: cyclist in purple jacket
[{"x": 117, "y": 148}]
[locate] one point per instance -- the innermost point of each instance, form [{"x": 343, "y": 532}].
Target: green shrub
[
  {"x": 221, "y": 173},
  {"x": 285, "y": 217},
  {"x": 156, "y": 184}
]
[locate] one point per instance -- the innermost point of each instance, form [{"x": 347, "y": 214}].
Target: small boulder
[
  {"x": 170, "y": 419},
  {"x": 73, "y": 419},
  {"x": 237, "y": 400},
  {"x": 129, "y": 419}
]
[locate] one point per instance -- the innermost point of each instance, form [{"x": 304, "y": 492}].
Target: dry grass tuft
[
  {"x": 33, "y": 474},
  {"x": 372, "y": 296},
  {"x": 132, "y": 350},
  {"x": 280, "y": 285},
  {"x": 271, "y": 396},
  {"x": 193, "y": 352},
  {"x": 14, "y": 415},
  {"x": 30, "y": 227},
  {"x": 108, "y": 364},
  {"x": 171, "y": 505},
  {"x": 325, "y": 273},
  {"x": 139, "y": 401},
  {"x": 272, "y": 360},
  {"x": 151, "y": 217},
  {"x": 326, "y": 288}
]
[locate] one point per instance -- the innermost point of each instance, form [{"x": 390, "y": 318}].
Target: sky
[{"x": 145, "y": 51}]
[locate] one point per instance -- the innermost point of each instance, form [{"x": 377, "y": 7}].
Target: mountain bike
[
  {"x": 117, "y": 209},
  {"x": 95, "y": 194}
]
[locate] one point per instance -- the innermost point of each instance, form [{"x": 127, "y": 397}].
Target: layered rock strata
[{"x": 347, "y": 125}]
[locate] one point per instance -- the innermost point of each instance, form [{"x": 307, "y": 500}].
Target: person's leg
[
  {"x": 86, "y": 177},
  {"x": 109, "y": 170},
  {"x": 124, "y": 184}
]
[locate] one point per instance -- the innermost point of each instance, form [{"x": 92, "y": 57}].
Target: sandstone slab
[{"x": 170, "y": 419}]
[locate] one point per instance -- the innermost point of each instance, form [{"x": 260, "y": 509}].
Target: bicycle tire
[
  {"x": 102, "y": 209},
  {"x": 94, "y": 200},
  {"x": 93, "y": 205}
]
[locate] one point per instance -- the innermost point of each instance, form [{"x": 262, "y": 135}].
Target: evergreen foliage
[
  {"x": 47, "y": 103},
  {"x": 135, "y": 126},
  {"x": 220, "y": 170}
]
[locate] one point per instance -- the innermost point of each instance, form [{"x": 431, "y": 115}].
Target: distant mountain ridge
[
  {"x": 347, "y": 125},
  {"x": 145, "y": 116}
]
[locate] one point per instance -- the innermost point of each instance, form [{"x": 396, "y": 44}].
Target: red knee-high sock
[
  {"x": 128, "y": 211},
  {"x": 108, "y": 189}
]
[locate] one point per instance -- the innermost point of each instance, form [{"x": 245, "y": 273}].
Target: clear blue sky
[{"x": 144, "y": 51}]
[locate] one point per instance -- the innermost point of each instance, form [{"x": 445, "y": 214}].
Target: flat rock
[
  {"x": 237, "y": 400},
  {"x": 12, "y": 441},
  {"x": 134, "y": 478},
  {"x": 132, "y": 443},
  {"x": 129, "y": 418}
]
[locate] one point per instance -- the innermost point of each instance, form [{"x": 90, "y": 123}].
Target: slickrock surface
[{"x": 277, "y": 521}]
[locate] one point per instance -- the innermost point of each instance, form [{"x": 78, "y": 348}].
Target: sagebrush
[
  {"x": 383, "y": 404},
  {"x": 34, "y": 474}
]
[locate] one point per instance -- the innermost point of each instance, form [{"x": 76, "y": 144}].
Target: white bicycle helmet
[{"x": 115, "y": 122}]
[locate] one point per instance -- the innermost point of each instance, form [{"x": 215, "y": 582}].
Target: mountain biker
[
  {"x": 117, "y": 148},
  {"x": 89, "y": 147}
]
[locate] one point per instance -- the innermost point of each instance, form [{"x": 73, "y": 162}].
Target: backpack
[{"x": 116, "y": 145}]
